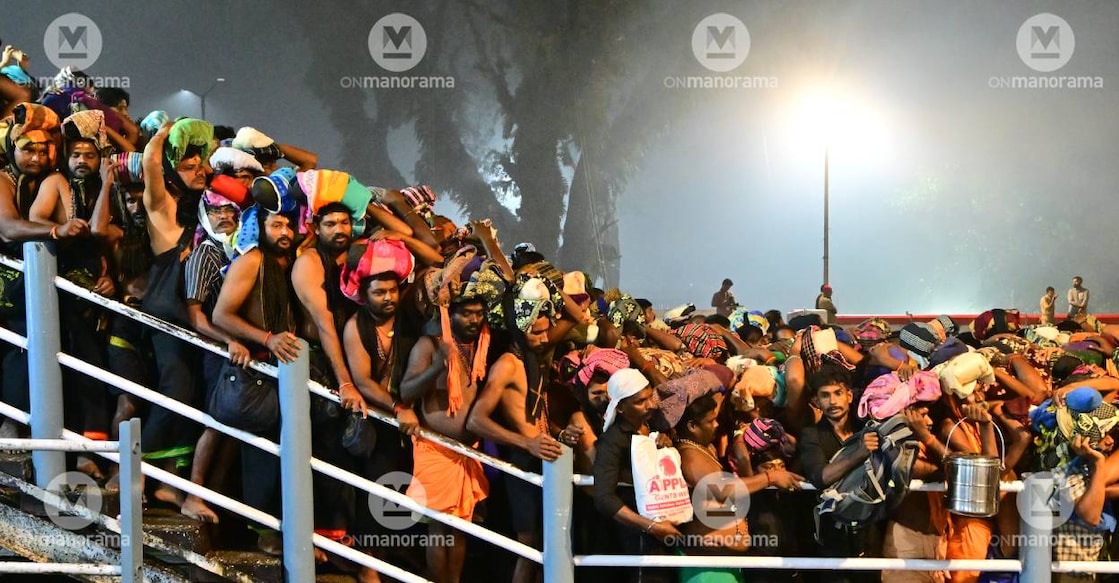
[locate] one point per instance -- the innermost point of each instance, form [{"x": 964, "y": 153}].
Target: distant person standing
[
  {"x": 825, "y": 303},
  {"x": 1049, "y": 307},
  {"x": 723, "y": 301},
  {"x": 1077, "y": 299}
]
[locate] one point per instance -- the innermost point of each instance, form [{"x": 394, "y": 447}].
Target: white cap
[{"x": 623, "y": 384}]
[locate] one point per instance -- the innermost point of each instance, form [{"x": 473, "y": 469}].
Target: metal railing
[
  {"x": 127, "y": 448},
  {"x": 44, "y": 356},
  {"x": 558, "y": 479}
]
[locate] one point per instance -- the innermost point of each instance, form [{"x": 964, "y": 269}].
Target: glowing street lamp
[
  {"x": 832, "y": 120},
  {"x": 202, "y": 96}
]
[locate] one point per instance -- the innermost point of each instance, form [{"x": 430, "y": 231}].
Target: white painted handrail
[
  {"x": 57, "y": 445},
  {"x": 268, "y": 369},
  {"x": 15, "y": 568},
  {"x": 800, "y": 563},
  {"x": 266, "y": 445},
  {"x": 914, "y": 485},
  {"x": 317, "y": 464}
]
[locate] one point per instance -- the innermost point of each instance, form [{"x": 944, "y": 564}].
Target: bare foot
[
  {"x": 197, "y": 509},
  {"x": 367, "y": 575},
  {"x": 320, "y": 555},
  {"x": 89, "y": 468},
  {"x": 270, "y": 542},
  {"x": 165, "y": 493},
  {"x": 113, "y": 483}
]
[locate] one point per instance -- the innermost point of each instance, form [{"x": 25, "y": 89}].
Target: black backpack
[{"x": 868, "y": 492}]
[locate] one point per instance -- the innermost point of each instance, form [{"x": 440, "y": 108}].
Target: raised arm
[
  {"x": 156, "y": 196},
  {"x": 304, "y": 159},
  {"x": 101, "y": 223},
  {"x": 395, "y": 200},
  {"x": 387, "y": 220},
  {"x": 424, "y": 253},
  {"x": 1025, "y": 381},
  {"x": 665, "y": 340},
  {"x": 484, "y": 232}
]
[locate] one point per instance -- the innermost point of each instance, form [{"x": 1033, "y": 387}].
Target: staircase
[{"x": 177, "y": 548}]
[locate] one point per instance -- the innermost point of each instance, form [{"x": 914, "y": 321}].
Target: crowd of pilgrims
[{"x": 247, "y": 242}]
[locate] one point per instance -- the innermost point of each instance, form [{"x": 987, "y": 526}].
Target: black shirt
[
  {"x": 611, "y": 467},
  {"x": 817, "y": 445}
]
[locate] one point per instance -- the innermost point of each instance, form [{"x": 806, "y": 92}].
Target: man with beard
[
  {"x": 316, "y": 279},
  {"x": 442, "y": 377},
  {"x": 120, "y": 221},
  {"x": 515, "y": 386},
  {"x": 377, "y": 339},
  {"x": 831, "y": 390},
  {"x": 255, "y": 307},
  {"x": 221, "y": 206},
  {"x": 174, "y": 176},
  {"x": 373, "y": 334},
  {"x": 30, "y": 147},
  {"x": 72, "y": 194}
]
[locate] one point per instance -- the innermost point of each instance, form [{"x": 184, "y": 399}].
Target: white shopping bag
[{"x": 658, "y": 481}]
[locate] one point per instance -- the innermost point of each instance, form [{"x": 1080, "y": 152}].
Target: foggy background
[{"x": 947, "y": 195}]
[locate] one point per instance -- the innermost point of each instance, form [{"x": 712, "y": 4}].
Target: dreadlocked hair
[
  {"x": 135, "y": 248},
  {"x": 519, "y": 345},
  {"x": 275, "y": 288}
]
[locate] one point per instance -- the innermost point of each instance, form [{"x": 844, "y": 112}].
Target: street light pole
[
  {"x": 202, "y": 97},
  {"x": 827, "y": 148}
]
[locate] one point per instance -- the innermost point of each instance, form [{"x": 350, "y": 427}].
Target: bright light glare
[{"x": 841, "y": 122}]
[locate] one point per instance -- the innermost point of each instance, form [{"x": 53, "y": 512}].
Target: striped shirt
[{"x": 203, "y": 275}]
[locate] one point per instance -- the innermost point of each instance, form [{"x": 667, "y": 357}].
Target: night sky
[{"x": 949, "y": 192}]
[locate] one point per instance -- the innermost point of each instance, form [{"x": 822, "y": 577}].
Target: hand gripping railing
[{"x": 127, "y": 448}]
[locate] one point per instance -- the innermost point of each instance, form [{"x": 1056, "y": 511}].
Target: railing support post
[
  {"x": 297, "y": 522},
  {"x": 559, "y": 566},
  {"x": 131, "y": 531},
  {"x": 1037, "y": 527},
  {"x": 43, "y": 345}
]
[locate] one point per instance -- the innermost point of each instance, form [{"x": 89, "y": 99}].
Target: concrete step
[
  {"x": 17, "y": 463},
  {"x": 259, "y": 566},
  {"x": 41, "y": 540},
  {"x": 178, "y": 530}
]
